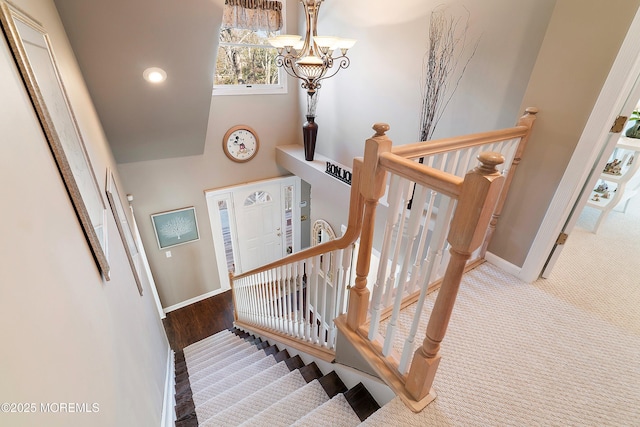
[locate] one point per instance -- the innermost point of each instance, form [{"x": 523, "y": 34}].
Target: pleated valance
[{"x": 253, "y": 15}]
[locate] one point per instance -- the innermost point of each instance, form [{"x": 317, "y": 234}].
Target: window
[{"x": 246, "y": 61}]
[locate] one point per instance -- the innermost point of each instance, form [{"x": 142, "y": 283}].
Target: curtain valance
[{"x": 253, "y": 15}]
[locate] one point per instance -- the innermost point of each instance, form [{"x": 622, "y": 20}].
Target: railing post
[
  {"x": 233, "y": 297},
  {"x": 478, "y": 198},
  {"x": 372, "y": 187},
  {"x": 528, "y": 119}
]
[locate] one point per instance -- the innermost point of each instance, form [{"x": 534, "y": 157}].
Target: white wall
[
  {"x": 67, "y": 335},
  {"x": 384, "y": 80}
]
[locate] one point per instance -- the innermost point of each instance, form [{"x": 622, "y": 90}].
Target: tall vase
[{"x": 310, "y": 132}]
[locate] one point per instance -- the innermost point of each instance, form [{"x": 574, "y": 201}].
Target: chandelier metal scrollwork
[{"x": 312, "y": 59}]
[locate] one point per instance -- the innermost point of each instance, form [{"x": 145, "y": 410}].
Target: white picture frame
[{"x": 34, "y": 57}]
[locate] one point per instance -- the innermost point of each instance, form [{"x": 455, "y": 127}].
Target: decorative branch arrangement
[{"x": 443, "y": 67}]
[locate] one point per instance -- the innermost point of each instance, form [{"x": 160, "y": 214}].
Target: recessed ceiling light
[{"x": 154, "y": 75}]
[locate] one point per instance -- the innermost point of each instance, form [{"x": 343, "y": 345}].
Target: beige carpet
[{"x": 564, "y": 351}]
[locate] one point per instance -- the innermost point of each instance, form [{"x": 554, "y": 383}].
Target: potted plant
[{"x": 634, "y": 130}]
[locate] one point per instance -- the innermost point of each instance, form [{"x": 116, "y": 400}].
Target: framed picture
[
  {"x": 31, "y": 48},
  {"x": 124, "y": 228},
  {"x": 175, "y": 227}
]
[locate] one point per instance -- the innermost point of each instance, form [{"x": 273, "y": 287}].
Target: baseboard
[
  {"x": 168, "y": 406},
  {"x": 195, "y": 299},
  {"x": 506, "y": 266}
]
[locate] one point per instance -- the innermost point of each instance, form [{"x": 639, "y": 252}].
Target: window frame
[{"x": 255, "y": 89}]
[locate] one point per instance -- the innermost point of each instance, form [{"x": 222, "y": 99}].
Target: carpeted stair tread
[
  {"x": 218, "y": 338},
  {"x": 221, "y": 364},
  {"x": 257, "y": 402},
  {"x": 217, "y": 386},
  {"x": 361, "y": 401},
  {"x": 290, "y": 408},
  {"x": 337, "y": 412},
  {"x": 198, "y": 385},
  {"x": 217, "y": 402},
  {"x": 215, "y": 355},
  {"x": 234, "y": 378},
  {"x": 213, "y": 348}
]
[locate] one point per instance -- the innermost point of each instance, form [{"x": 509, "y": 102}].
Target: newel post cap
[{"x": 489, "y": 160}]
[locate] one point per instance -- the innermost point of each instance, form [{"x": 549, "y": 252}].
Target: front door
[{"x": 259, "y": 224}]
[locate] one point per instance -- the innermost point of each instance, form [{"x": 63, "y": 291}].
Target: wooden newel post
[
  {"x": 479, "y": 195},
  {"x": 372, "y": 187},
  {"x": 528, "y": 119}
]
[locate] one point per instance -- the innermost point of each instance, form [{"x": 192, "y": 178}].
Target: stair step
[
  {"x": 234, "y": 378},
  {"x": 332, "y": 384},
  {"x": 281, "y": 355},
  {"x": 257, "y": 402},
  {"x": 216, "y": 386},
  {"x": 195, "y": 363},
  {"x": 291, "y": 407},
  {"x": 221, "y": 364},
  {"x": 226, "y": 398},
  {"x": 231, "y": 369},
  {"x": 217, "y": 338},
  {"x": 337, "y": 412},
  {"x": 310, "y": 372},
  {"x": 361, "y": 401}
]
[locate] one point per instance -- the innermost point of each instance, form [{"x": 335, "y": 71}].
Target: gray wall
[
  {"x": 578, "y": 51},
  {"x": 67, "y": 335}
]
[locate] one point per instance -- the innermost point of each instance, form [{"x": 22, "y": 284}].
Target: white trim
[
  {"x": 502, "y": 264},
  {"x": 613, "y": 95},
  {"x": 168, "y": 404},
  {"x": 195, "y": 299}
]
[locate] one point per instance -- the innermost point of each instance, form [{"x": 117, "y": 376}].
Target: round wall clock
[{"x": 240, "y": 143}]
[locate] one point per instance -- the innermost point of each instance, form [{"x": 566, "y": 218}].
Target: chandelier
[{"x": 311, "y": 60}]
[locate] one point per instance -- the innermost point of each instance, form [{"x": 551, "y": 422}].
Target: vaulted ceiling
[{"x": 116, "y": 40}]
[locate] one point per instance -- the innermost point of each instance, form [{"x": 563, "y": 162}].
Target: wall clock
[{"x": 240, "y": 143}]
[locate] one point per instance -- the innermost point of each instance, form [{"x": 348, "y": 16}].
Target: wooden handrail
[
  {"x": 420, "y": 149},
  {"x": 352, "y": 233},
  {"x": 442, "y": 182}
]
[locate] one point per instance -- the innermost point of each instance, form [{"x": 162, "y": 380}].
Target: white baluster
[
  {"x": 393, "y": 200},
  {"x": 420, "y": 197},
  {"x": 425, "y": 239}
]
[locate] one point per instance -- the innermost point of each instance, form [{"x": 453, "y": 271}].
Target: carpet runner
[{"x": 232, "y": 379}]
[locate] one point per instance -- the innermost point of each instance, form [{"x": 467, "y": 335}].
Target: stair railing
[
  {"x": 437, "y": 220},
  {"x": 295, "y": 299}
]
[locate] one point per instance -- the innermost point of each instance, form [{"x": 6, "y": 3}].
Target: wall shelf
[{"x": 620, "y": 186}]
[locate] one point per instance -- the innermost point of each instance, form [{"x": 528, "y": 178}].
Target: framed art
[
  {"x": 124, "y": 228},
  {"x": 175, "y": 227},
  {"x": 32, "y": 52}
]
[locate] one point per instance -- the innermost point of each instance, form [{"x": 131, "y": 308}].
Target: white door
[
  {"x": 254, "y": 224},
  {"x": 259, "y": 225}
]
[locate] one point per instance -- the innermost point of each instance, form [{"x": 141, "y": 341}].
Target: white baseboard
[
  {"x": 168, "y": 406},
  {"x": 195, "y": 299},
  {"x": 506, "y": 266}
]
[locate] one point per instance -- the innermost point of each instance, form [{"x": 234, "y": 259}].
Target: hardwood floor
[{"x": 200, "y": 320}]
